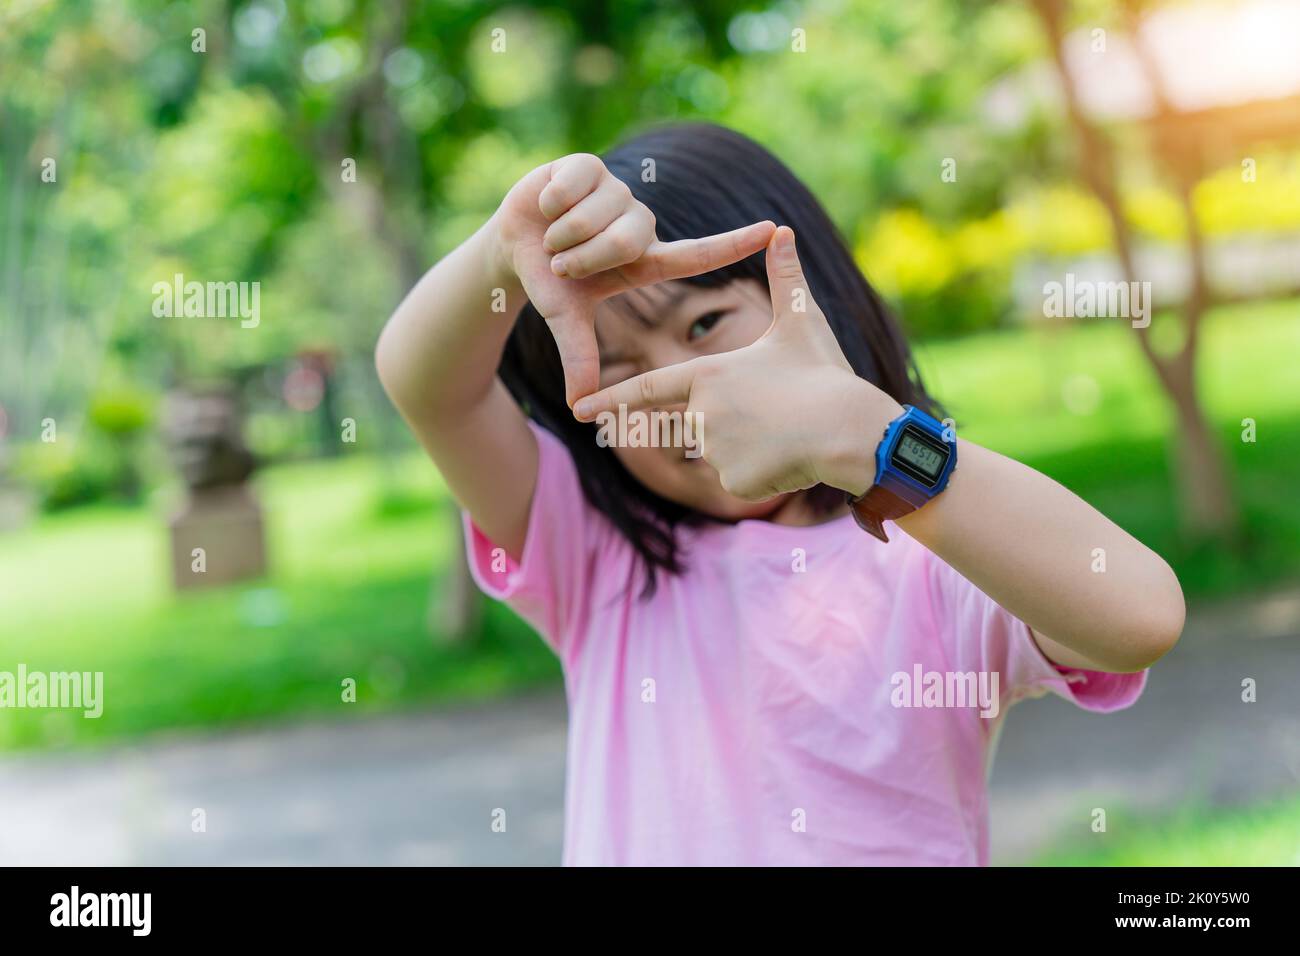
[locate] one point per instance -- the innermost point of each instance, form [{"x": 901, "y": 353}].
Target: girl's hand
[
  {"x": 575, "y": 235},
  {"x": 780, "y": 415}
]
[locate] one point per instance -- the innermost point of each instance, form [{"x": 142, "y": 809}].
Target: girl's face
[{"x": 663, "y": 325}]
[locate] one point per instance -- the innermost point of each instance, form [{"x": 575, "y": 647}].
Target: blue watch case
[{"x": 905, "y": 457}]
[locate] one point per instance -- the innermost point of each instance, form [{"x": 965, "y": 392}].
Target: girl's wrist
[
  {"x": 498, "y": 263},
  {"x": 848, "y": 460}
]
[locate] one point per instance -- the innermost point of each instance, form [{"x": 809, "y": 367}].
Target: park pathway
[{"x": 422, "y": 788}]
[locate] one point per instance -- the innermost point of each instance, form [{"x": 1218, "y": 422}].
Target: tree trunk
[
  {"x": 1205, "y": 494},
  {"x": 455, "y": 605},
  {"x": 1207, "y": 507}
]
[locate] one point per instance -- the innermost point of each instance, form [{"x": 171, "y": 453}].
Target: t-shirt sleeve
[
  {"x": 550, "y": 585},
  {"x": 982, "y": 635}
]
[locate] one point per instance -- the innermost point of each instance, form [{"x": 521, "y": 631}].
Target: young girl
[{"x": 752, "y": 678}]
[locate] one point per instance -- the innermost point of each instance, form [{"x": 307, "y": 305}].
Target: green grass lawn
[
  {"x": 1267, "y": 835},
  {"x": 349, "y": 591},
  {"x": 88, "y": 590}
]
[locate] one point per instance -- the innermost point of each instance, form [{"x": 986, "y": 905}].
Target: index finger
[
  {"x": 663, "y": 261},
  {"x": 670, "y": 385}
]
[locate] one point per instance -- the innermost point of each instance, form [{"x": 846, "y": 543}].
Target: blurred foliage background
[{"x": 231, "y": 163}]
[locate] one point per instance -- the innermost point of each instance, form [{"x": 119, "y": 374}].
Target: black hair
[{"x": 708, "y": 179}]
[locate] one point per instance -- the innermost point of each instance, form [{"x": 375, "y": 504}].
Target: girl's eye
[{"x": 702, "y": 325}]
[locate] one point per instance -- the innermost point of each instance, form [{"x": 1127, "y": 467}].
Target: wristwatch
[{"x": 913, "y": 464}]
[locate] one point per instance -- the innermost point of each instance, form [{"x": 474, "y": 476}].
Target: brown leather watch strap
[{"x": 877, "y": 506}]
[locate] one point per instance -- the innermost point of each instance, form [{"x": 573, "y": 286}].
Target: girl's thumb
[{"x": 785, "y": 275}]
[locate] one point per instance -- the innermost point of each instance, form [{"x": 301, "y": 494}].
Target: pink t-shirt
[{"x": 800, "y": 695}]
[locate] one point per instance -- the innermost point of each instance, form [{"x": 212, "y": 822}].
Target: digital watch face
[{"x": 919, "y": 456}]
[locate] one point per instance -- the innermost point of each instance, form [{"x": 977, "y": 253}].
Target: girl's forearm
[
  {"x": 1047, "y": 556},
  {"x": 1054, "y": 561},
  {"x": 437, "y": 358},
  {"x": 440, "y": 349}
]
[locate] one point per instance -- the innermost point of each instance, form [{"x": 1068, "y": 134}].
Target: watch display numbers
[{"x": 920, "y": 456}]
